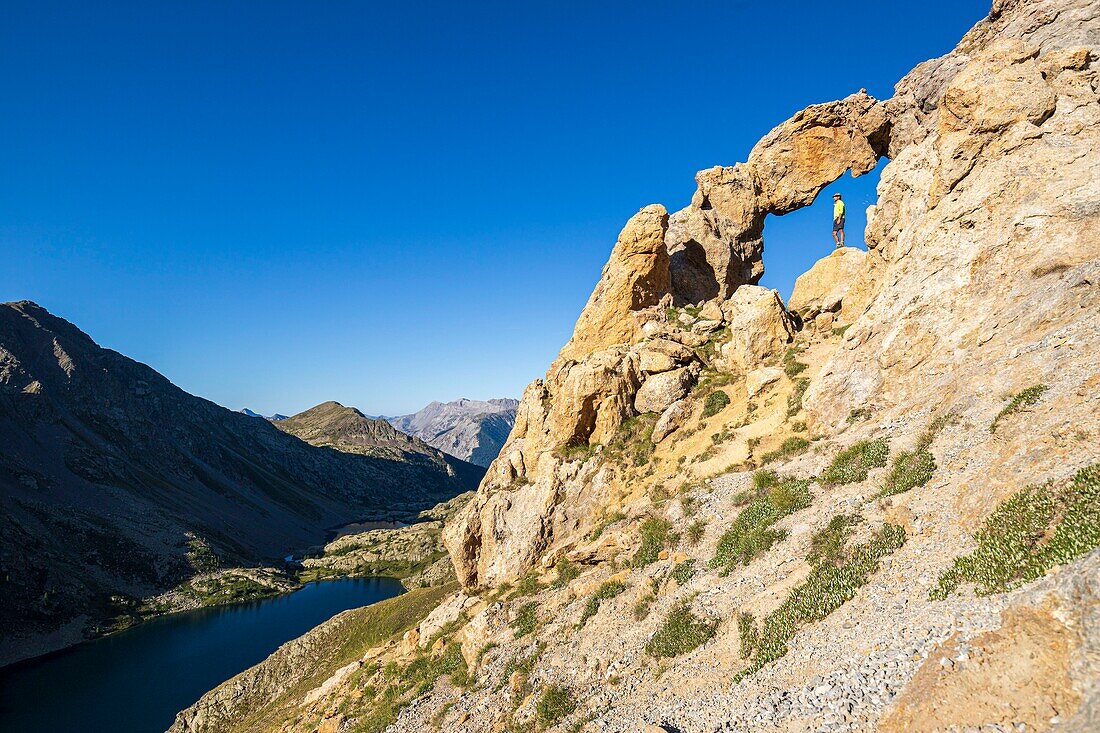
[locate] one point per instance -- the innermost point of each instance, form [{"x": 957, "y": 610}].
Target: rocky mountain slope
[
  {"x": 875, "y": 508},
  {"x": 332, "y": 425},
  {"x": 116, "y": 485},
  {"x": 473, "y": 430}
]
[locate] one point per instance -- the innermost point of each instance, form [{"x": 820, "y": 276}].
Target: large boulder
[
  {"x": 825, "y": 286},
  {"x": 759, "y": 328},
  {"x": 659, "y": 391}
]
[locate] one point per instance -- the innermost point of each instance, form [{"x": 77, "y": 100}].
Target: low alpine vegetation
[
  {"x": 827, "y": 545},
  {"x": 752, "y": 532},
  {"x": 655, "y": 534},
  {"x": 827, "y": 588},
  {"x": 792, "y": 446},
  {"x": 555, "y": 703},
  {"x": 684, "y": 571},
  {"x": 794, "y": 401},
  {"x": 608, "y": 590},
  {"x": 792, "y": 367},
  {"x": 1018, "y": 402},
  {"x": 605, "y": 523},
  {"x": 526, "y": 620},
  {"x": 854, "y": 463},
  {"x": 716, "y": 402},
  {"x": 1031, "y": 532},
  {"x": 567, "y": 572},
  {"x": 909, "y": 470},
  {"x": 680, "y": 632}
]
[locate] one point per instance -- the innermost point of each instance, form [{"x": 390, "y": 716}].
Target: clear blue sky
[{"x": 275, "y": 204}]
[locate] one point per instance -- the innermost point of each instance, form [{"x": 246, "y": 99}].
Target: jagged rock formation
[
  {"x": 110, "y": 477},
  {"x": 472, "y": 430},
  {"x": 718, "y": 514},
  {"x": 331, "y": 425}
]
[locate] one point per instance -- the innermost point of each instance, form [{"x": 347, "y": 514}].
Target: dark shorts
[{"x": 838, "y": 224}]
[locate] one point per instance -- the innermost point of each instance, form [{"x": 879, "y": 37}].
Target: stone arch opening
[{"x": 794, "y": 241}]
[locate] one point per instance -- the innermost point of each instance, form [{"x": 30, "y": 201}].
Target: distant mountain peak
[{"x": 474, "y": 430}]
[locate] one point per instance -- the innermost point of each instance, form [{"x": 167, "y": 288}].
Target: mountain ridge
[
  {"x": 111, "y": 476},
  {"x": 474, "y": 430}
]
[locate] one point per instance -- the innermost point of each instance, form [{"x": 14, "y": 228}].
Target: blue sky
[{"x": 275, "y": 204}]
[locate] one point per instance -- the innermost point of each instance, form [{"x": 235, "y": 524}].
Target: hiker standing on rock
[{"x": 838, "y": 220}]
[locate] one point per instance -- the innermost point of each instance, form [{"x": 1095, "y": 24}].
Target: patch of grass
[
  {"x": 1019, "y": 401},
  {"x": 798, "y": 427},
  {"x": 1031, "y": 532},
  {"x": 722, "y": 435},
  {"x": 606, "y": 591},
  {"x": 909, "y": 470},
  {"x": 684, "y": 571},
  {"x": 695, "y": 531},
  {"x": 827, "y": 588},
  {"x": 751, "y": 532},
  {"x": 794, "y": 401},
  {"x": 526, "y": 620},
  {"x": 828, "y": 544},
  {"x": 555, "y": 703},
  {"x": 859, "y": 413},
  {"x": 605, "y": 523},
  {"x": 688, "y": 504},
  {"x": 634, "y": 439},
  {"x": 792, "y": 446},
  {"x": 716, "y": 402},
  {"x": 791, "y": 366},
  {"x": 528, "y": 585},
  {"x": 576, "y": 451},
  {"x": 854, "y": 463},
  {"x": 655, "y": 534},
  {"x": 748, "y": 634},
  {"x": 680, "y": 632},
  {"x": 840, "y": 330},
  {"x": 567, "y": 572}
]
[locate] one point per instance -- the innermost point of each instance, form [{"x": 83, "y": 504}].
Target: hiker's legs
[{"x": 840, "y": 242}]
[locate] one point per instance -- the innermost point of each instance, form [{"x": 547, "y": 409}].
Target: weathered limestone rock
[
  {"x": 661, "y": 390},
  {"x": 759, "y": 325},
  {"x": 635, "y": 277},
  {"x": 758, "y": 379},
  {"x": 824, "y": 287},
  {"x": 672, "y": 418}
]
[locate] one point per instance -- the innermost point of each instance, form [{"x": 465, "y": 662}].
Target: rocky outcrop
[
  {"x": 821, "y": 294},
  {"x": 473, "y": 430},
  {"x": 635, "y": 277}
]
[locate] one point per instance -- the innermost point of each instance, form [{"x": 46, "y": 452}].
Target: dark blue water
[{"x": 136, "y": 681}]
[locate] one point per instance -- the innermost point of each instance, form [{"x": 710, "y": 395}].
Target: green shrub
[
  {"x": 751, "y": 532},
  {"x": 827, "y": 545},
  {"x": 792, "y": 446},
  {"x": 681, "y": 632},
  {"x": 684, "y": 571},
  {"x": 555, "y": 703},
  {"x": 567, "y": 572},
  {"x": 853, "y": 464},
  {"x": 655, "y": 532},
  {"x": 748, "y": 634},
  {"x": 634, "y": 439},
  {"x": 605, "y": 523},
  {"x": 526, "y": 620},
  {"x": 859, "y": 413},
  {"x": 695, "y": 531},
  {"x": 576, "y": 451},
  {"x": 1031, "y": 532},
  {"x": 607, "y": 590},
  {"x": 794, "y": 401},
  {"x": 826, "y": 589},
  {"x": 1018, "y": 402},
  {"x": 909, "y": 470},
  {"x": 716, "y": 402},
  {"x": 791, "y": 366},
  {"x": 527, "y": 585}
]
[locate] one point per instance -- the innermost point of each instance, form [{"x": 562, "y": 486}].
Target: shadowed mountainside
[{"x": 117, "y": 485}]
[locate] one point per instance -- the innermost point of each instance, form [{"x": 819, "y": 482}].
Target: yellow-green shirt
[{"x": 838, "y": 209}]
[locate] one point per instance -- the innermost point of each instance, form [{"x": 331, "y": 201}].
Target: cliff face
[
  {"x": 117, "y": 485},
  {"x": 877, "y": 509}
]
